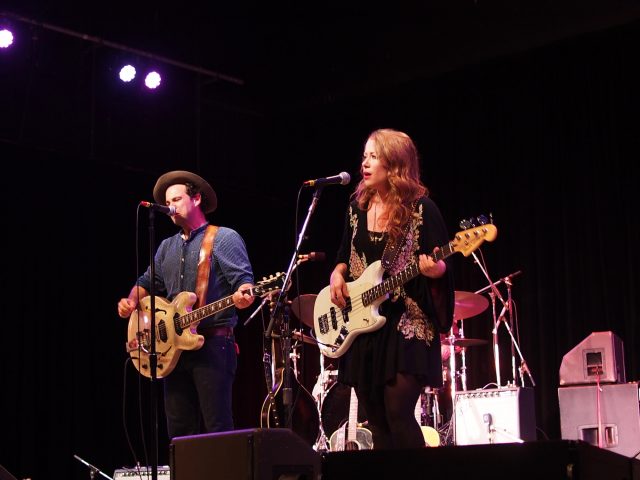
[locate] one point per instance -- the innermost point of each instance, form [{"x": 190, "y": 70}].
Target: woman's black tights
[{"x": 390, "y": 414}]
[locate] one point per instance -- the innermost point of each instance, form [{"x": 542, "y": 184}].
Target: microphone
[
  {"x": 313, "y": 257},
  {"x": 343, "y": 178},
  {"x": 170, "y": 210}
]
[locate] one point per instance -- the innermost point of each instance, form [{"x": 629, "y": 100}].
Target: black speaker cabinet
[
  {"x": 499, "y": 415},
  {"x": 253, "y": 454},
  {"x": 619, "y": 416}
]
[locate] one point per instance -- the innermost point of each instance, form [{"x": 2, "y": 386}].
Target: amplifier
[
  {"x": 499, "y": 415},
  {"x": 164, "y": 473}
]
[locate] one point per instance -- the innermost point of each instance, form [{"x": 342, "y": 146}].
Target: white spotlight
[
  {"x": 152, "y": 80},
  {"x": 6, "y": 38},
  {"x": 127, "y": 73}
]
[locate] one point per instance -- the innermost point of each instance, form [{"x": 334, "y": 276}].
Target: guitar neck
[
  {"x": 411, "y": 271},
  {"x": 353, "y": 416},
  {"x": 203, "y": 312},
  {"x": 212, "y": 308}
]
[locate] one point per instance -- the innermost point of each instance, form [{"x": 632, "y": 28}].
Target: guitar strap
[
  {"x": 204, "y": 265},
  {"x": 391, "y": 249}
]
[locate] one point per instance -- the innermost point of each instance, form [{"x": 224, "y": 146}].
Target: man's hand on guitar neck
[{"x": 242, "y": 298}]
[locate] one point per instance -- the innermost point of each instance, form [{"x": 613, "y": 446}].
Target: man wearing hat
[{"x": 197, "y": 392}]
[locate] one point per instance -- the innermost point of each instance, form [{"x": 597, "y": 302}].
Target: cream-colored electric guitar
[
  {"x": 336, "y": 328},
  {"x": 176, "y": 326}
]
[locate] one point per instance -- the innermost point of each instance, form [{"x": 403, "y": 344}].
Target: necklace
[{"x": 376, "y": 237}]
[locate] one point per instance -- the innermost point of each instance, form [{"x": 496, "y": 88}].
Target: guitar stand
[{"x": 322, "y": 444}]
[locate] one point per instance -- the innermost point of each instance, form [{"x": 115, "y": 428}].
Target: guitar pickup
[
  {"x": 334, "y": 318},
  {"x": 345, "y": 312},
  {"x": 323, "y": 323}
]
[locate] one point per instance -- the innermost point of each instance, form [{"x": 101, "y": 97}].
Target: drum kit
[{"x": 332, "y": 398}]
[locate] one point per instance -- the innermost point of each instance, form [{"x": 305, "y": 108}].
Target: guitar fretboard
[
  {"x": 200, "y": 313},
  {"x": 203, "y": 312},
  {"x": 403, "y": 276}
]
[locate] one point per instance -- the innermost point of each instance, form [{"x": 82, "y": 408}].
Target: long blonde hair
[{"x": 400, "y": 157}]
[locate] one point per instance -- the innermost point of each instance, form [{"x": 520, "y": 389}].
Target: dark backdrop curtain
[{"x": 545, "y": 141}]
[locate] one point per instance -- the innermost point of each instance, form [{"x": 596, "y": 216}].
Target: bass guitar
[
  {"x": 176, "y": 326},
  {"x": 351, "y": 436},
  {"x": 336, "y": 328}
]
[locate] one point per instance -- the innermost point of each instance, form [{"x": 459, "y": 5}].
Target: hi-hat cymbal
[
  {"x": 464, "y": 342},
  {"x": 302, "y": 308},
  {"x": 468, "y": 304}
]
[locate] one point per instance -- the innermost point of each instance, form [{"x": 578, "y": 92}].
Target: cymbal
[
  {"x": 302, "y": 308},
  {"x": 464, "y": 342},
  {"x": 298, "y": 335},
  {"x": 468, "y": 304}
]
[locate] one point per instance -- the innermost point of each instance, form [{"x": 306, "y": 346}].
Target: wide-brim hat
[{"x": 209, "y": 198}]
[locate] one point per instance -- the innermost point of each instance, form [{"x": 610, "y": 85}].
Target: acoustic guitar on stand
[
  {"x": 336, "y": 328},
  {"x": 176, "y": 326},
  {"x": 430, "y": 434},
  {"x": 350, "y": 436}
]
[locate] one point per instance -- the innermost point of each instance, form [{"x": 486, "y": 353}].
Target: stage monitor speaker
[
  {"x": 252, "y": 454},
  {"x": 499, "y": 415},
  {"x": 599, "y": 357},
  {"x": 619, "y": 416}
]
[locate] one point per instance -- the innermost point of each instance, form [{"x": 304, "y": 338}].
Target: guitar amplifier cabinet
[
  {"x": 619, "y": 416},
  {"x": 142, "y": 473},
  {"x": 252, "y": 454},
  {"x": 499, "y": 415}
]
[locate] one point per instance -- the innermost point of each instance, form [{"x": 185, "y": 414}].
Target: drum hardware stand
[
  {"x": 463, "y": 366},
  {"x": 507, "y": 311}
]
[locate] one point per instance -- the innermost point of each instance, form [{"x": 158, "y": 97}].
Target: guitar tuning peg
[
  {"x": 482, "y": 220},
  {"x": 465, "y": 224}
]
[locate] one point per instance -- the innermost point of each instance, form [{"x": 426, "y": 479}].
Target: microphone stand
[
  {"x": 292, "y": 263},
  {"x": 507, "y": 307},
  {"x": 493, "y": 294},
  {"x": 153, "y": 357},
  {"x": 92, "y": 470},
  {"x": 277, "y": 313}
]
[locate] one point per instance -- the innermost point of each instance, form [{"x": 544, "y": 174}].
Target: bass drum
[{"x": 335, "y": 408}]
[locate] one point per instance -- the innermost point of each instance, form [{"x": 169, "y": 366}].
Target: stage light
[
  {"x": 6, "y": 38},
  {"x": 127, "y": 73},
  {"x": 152, "y": 80}
]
